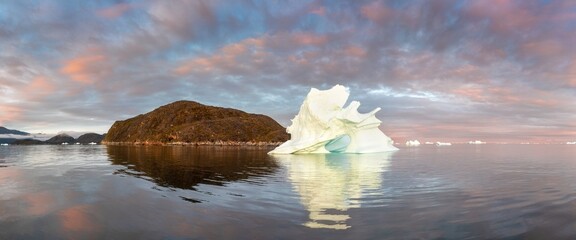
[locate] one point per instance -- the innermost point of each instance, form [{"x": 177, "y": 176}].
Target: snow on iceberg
[{"x": 324, "y": 125}]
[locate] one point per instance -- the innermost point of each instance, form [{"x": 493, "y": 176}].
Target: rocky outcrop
[{"x": 187, "y": 122}]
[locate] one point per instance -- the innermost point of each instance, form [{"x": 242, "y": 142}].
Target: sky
[{"x": 442, "y": 70}]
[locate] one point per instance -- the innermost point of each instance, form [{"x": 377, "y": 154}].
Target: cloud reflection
[
  {"x": 77, "y": 219},
  {"x": 331, "y": 184}
]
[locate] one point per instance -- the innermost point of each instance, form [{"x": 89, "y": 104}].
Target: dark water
[{"x": 428, "y": 192}]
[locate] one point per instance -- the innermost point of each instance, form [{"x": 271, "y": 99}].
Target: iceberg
[
  {"x": 412, "y": 143},
  {"x": 443, "y": 144},
  {"x": 324, "y": 125}
]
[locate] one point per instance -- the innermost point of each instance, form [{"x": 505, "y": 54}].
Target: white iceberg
[
  {"x": 323, "y": 125},
  {"x": 443, "y": 144},
  {"x": 476, "y": 142},
  {"x": 412, "y": 143}
]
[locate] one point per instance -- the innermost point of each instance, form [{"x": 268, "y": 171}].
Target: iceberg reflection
[{"x": 331, "y": 184}]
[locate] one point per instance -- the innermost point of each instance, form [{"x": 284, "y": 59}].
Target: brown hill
[{"x": 194, "y": 123}]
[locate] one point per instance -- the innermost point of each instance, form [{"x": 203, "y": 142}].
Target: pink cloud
[
  {"x": 319, "y": 11},
  {"x": 9, "y": 113},
  {"x": 377, "y": 12},
  {"x": 182, "y": 19},
  {"x": 490, "y": 129},
  {"x": 506, "y": 16},
  {"x": 349, "y": 57},
  {"x": 265, "y": 53},
  {"x": 309, "y": 39},
  {"x": 40, "y": 87},
  {"x": 563, "y": 17},
  {"x": 501, "y": 95},
  {"x": 256, "y": 42},
  {"x": 83, "y": 69},
  {"x": 270, "y": 51},
  {"x": 355, "y": 51},
  {"x": 114, "y": 11},
  {"x": 509, "y": 96},
  {"x": 300, "y": 60},
  {"x": 227, "y": 58},
  {"x": 482, "y": 54},
  {"x": 204, "y": 64},
  {"x": 475, "y": 93},
  {"x": 542, "y": 48},
  {"x": 571, "y": 74},
  {"x": 234, "y": 49}
]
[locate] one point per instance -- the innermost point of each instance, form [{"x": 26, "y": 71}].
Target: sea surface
[{"x": 182, "y": 192}]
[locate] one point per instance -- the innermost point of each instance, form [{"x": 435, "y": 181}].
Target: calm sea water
[{"x": 153, "y": 192}]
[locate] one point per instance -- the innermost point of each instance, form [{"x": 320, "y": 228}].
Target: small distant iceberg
[
  {"x": 64, "y": 143},
  {"x": 571, "y": 143},
  {"x": 429, "y": 143},
  {"x": 412, "y": 143},
  {"x": 476, "y": 142},
  {"x": 91, "y": 143},
  {"x": 443, "y": 144},
  {"x": 4, "y": 144}
]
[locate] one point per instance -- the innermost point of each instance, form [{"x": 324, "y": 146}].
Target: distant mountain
[
  {"x": 74, "y": 134},
  {"x": 58, "y": 139},
  {"x": 61, "y": 138},
  {"x": 90, "y": 137},
  {"x": 4, "y": 130},
  {"x": 7, "y": 140},
  {"x": 195, "y": 123},
  {"x": 27, "y": 141}
]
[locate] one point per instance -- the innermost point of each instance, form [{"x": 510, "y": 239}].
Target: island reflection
[
  {"x": 185, "y": 167},
  {"x": 331, "y": 184}
]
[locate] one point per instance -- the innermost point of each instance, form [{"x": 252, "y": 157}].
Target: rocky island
[{"x": 192, "y": 123}]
